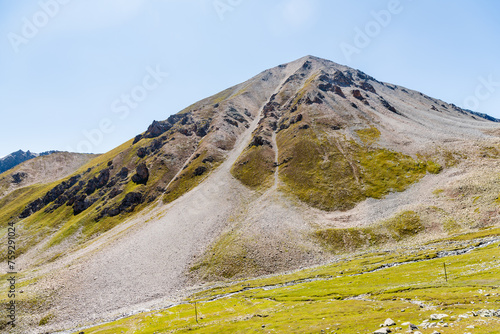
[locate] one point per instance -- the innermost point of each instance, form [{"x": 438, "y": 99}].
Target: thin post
[
  {"x": 445, "y": 274},
  {"x": 196, "y": 312}
]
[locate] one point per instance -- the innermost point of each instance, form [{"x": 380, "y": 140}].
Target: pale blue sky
[{"x": 68, "y": 74}]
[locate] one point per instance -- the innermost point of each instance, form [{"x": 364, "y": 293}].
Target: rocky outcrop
[
  {"x": 357, "y": 94},
  {"x": 141, "y": 175},
  {"x": 137, "y": 139},
  {"x": 53, "y": 195},
  {"x": 318, "y": 99},
  {"x": 82, "y": 203},
  {"x": 123, "y": 173},
  {"x": 97, "y": 182},
  {"x": 259, "y": 141},
  {"x": 342, "y": 80},
  {"x": 389, "y": 106},
  {"x": 368, "y": 87},
  {"x": 199, "y": 170},
  {"x": 157, "y": 128},
  {"x": 128, "y": 204},
  {"x": 18, "y": 177},
  {"x": 141, "y": 152}
]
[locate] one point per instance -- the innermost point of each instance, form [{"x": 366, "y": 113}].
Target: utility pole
[
  {"x": 196, "y": 312},
  {"x": 445, "y": 274}
]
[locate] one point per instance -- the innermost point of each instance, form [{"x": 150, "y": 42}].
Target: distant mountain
[
  {"x": 15, "y": 158},
  {"x": 485, "y": 116}
]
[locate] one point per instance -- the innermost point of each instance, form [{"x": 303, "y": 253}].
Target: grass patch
[
  {"x": 369, "y": 136},
  {"x": 227, "y": 258},
  {"x": 336, "y": 174},
  {"x": 399, "y": 227},
  {"x": 255, "y": 167}
]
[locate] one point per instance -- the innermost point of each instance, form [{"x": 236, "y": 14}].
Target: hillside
[
  {"x": 42, "y": 169},
  {"x": 290, "y": 169},
  {"x": 15, "y": 158}
]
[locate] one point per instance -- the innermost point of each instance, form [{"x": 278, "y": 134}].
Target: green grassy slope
[{"x": 336, "y": 297}]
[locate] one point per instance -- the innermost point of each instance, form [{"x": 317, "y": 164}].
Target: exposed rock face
[
  {"x": 123, "y": 173},
  {"x": 51, "y": 196},
  {"x": 141, "y": 175},
  {"x": 81, "y": 204},
  {"x": 339, "y": 92},
  {"x": 97, "y": 182},
  {"x": 388, "y": 106},
  {"x": 18, "y": 177},
  {"x": 342, "y": 80},
  {"x": 157, "y": 128},
  {"x": 201, "y": 130},
  {"x": 259, "y": 141},
  {"x": 200, "y": 170},
  {"x": 141, "y": 152},
  {"x": 357, "y": 94},
  {"x": 137, "y": 139},
  {"x": 368, "y": 87},
  {"x": 129, "y": 202}
]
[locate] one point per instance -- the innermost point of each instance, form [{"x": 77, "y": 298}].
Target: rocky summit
[{"x": 299, "y": 166}]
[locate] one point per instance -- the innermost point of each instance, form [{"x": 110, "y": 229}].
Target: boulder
[
  {"x": 357, "y": 94},
  {"x": 199, "y": 170},
  {"x": 123, "y": 173},
  {"x": 339, "y": 91},
  {"x": 141, "y": 152},
  {"x": 389, "y": 322},
  {"x": 259, "y": 141},
  {"x": 438, "y": 316},
  {"x": 81, "y": 204},
  {"x": 136, "y": 139},
  {"x": 141, "y": 175}
]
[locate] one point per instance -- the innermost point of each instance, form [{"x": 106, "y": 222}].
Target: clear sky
[{"x": 87, "y": 75}]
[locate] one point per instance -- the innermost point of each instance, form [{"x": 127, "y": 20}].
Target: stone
[
  {"x": 142, "y": 174},
  {"x": 136, "y": 139},
  {"x": 389, "y": 322},
  {"x": 357, "y": 94},
  {"x": 123, "y": 173},
  {"x": 383, "y": 330},
  {"x": 259, "y": 141},
  {"x": 412, "y": 327},
  {"x": 141, "y": 152},
  {"x": 438, "y": 316}
]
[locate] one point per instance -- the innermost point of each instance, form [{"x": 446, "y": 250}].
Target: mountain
[
  {"x": 299, "y": 164},
  {"x": 46, "y": 167},
  {"x": 15, "y": 158}
]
